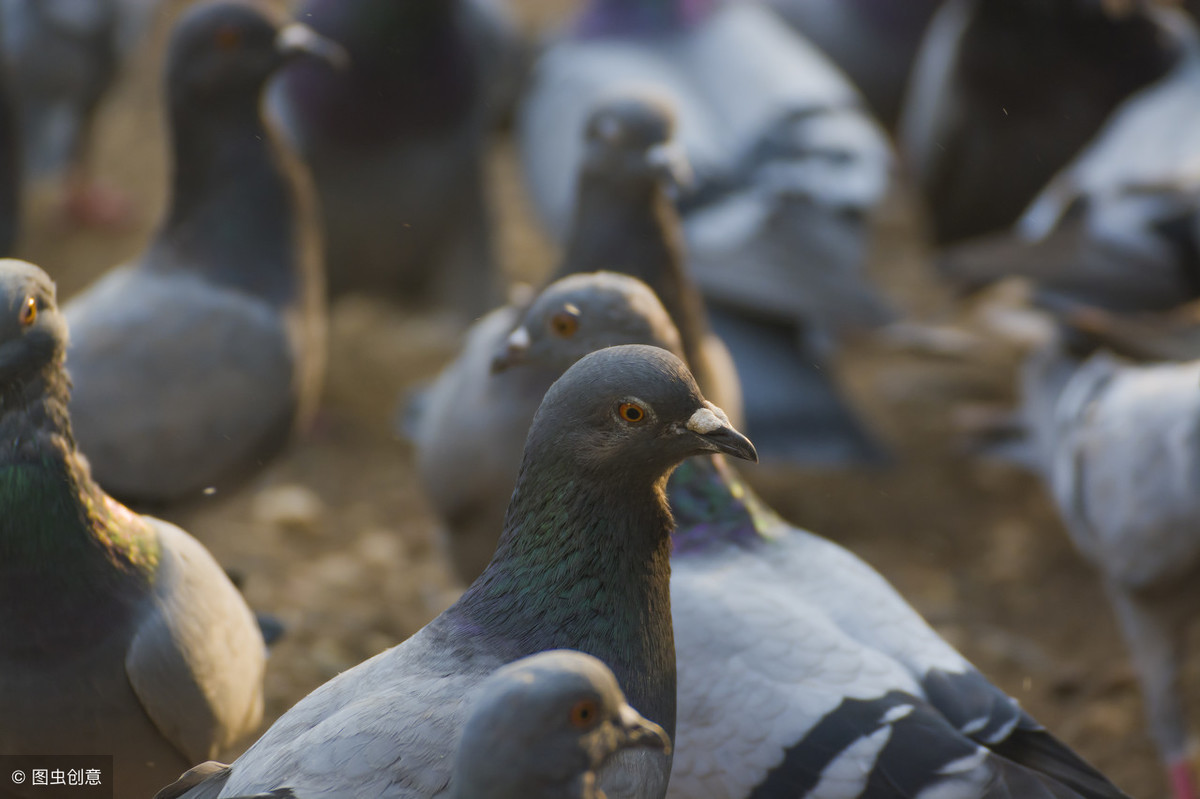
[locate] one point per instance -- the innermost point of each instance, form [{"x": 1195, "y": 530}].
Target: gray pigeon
[
  {"x": 396, "y": 143},
  {"x": 1119, "y": 227},
  {"x": 62, "y": 57},
  {"x": 1006, "y": 92},
  {"x": 540, "y": 728},
  {"x": 776, "y": 229},
  {"x": 193, "y": 364},
  {"x": 583, "y": 563},
  {"x": 1115, "y": 445},
  {"x": 835, "y": 686},
  {"x": 119, "y": 633},
  {"x": 874, "y": 41}
]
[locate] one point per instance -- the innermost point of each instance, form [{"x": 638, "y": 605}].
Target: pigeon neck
[
  {"x": 584, "y": 564},
  {"x": 714, "y": 508},
  {"x": 233, "y": 204},
  {"x": 64, "y": 545},
  {"x": 632, "y": 17},
  {"x": 628, "y": 225}
]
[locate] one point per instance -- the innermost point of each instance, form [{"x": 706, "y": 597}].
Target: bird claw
[{"x": 1183, "y": 781}]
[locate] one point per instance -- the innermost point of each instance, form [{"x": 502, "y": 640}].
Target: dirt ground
[{"x": 336, "y": 539}]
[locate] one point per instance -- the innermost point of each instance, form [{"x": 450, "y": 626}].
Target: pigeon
[
  {"x": 583, "y": 563},
  {"x": 836, "y": 686},
  {"x": 1005, "y": 93},
  {"x": 1112, "y": 441},
  {"x": 62, "y": 58},
  {"x": 874, "y": 42},
  {"x": 776, "y": 264},
  {"x": 396, "y": 142},
  {"x": 540, "y": 728},
  {"x": 1118, "y": 227},
  {"x": 119, "y": 633},
  {"x": 193, "y": 364}
]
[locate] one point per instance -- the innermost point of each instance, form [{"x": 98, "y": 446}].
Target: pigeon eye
[
  {"x": 565, "y": 323},
  {"x": 29, "y": 311},
  {"x": 584, "y": 714},
  {"x": 631, "y": 412},
  {"x": 228, "y": 38}
]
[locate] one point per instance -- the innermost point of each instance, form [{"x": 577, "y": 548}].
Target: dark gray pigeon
[
  {"x": 1006, "y": 92},
  {"x": 789, "y": 171},
  {"x": 873, "y": 41},
  {"x": 540, "y": 728},
  {"x": 1118, "y": 227},
  {"x": 193, "y": 364},
  {"x": 119, "y": 633},
  {"x": 583, "y": 563},
  {"x": 1115, "y": 445},
  {"x": 834, "y": 684},
  {"x": 396, "y": 143}
]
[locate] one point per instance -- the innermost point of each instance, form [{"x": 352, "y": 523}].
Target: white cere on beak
[
  {"x": 519, "y": 339},
  {"x": 707, "y": 419}
]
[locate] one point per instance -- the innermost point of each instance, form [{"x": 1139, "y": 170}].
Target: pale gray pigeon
[
  {"x": 1006, "y": 92},
  {"x": 119, "y": 633},
  {"x": 540, "y": 728},
  {"x": 397, "y": 142},
  {"x": 583, "y": 563},
  {"x": 193, "y": 364}
]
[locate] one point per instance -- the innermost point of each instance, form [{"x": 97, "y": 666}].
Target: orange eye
[
  {"x": 565, "y": 323},
  {"x": 584, "y": 714},
  {"x": 28, "y": 314},
  {"x": 631, "y": 412},
  {"x": 228, "y": 38}
]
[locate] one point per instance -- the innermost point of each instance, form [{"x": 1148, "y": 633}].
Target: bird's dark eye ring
[
  {"x": 631, "y": 412},
  {"x": 29, "y": 312},
  {"x": 564, "y": 324},
  {"x": 584, "y": 714}
]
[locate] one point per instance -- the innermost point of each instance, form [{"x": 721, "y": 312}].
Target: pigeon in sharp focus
[
  {"x": 874, "y": 41},
  {"x": 837, "y": 688},
  {"x": 396, "y": 142},
  {"x": 1006, "y": 92},
  {"x": 193, "y": 364},
  {"x": 776, "y": 251},
  {"x": 540, "y": 728},
  {"x": 108, "y": 619},
  {"x": 583, "y": 563}
]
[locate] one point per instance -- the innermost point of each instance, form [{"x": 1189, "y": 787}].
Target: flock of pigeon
[{"x": 638, "y": 622}]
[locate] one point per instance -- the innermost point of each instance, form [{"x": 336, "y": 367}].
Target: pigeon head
[
  {"x": 222, "y": 53},
  {"x": 631, "y": 135},
  {"x": 33, "y": 334},
  {"x": 583, "y": 313},
  {"x": 630, "y": 413},
  {"x": 543, "y": 726}
]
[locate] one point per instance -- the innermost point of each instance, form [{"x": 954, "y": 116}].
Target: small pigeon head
[
  {"x": 33, "y": 333},
  {"x": 630, "y": 135},
  {"x": 224, "y": 52},
  {"x": 585, "y": 312},
  {"x": 632, "y": 413},
  {"x": 543, "y": 726}
]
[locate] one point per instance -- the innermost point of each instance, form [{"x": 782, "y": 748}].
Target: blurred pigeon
[
  {"x": 1119, "y": 227},
  {"x": 119, "y": 633},
  {"x": 540, "y": 728},
  {"x": 776, "y": 228},
  {"x": 1115, "y": 444},
  {"x": 836, "y": 687},
  {"x": 583, "y": 563},
  {"x": 874, "y": 41},
  {"x": 396, "y": 143},
  {"x": 62, "y": 57},
  {"x": 1006, "y": 92},
  {"x": 194, "y": 363}
]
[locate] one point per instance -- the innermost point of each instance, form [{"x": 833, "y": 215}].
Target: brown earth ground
[{"x": 337, "y": 540}]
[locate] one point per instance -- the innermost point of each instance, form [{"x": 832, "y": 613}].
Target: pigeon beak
[
  {"x": 296, "y": 39},
  {"x": 670, "y": 161},
  {"x": 712, "y": 426},
  {"x": 514, "y": 350},
  {"x": 638, "y": 731}
]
